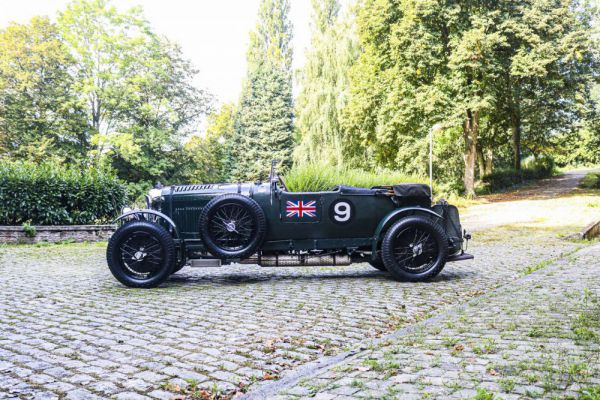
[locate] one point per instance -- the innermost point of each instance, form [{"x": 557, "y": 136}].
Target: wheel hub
[
  {"x": 230, "y": 226},
  {"x": 417, "y": 249},
  {"x": 139, "y": 255}
]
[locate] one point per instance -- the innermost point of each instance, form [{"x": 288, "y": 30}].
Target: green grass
[
  {"x": 590, "y": 393},
  {"x": 320, "y": 177}
]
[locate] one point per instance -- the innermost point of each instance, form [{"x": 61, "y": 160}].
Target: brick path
[
  {"x": 68, "y": 329},
  {"x": 546, "y": 344}
]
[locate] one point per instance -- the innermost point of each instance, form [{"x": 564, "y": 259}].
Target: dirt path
[{"x": 540, "y": 203}]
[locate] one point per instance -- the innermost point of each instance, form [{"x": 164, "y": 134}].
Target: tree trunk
[
  {"x": 516, "y": 139},
  {"x": 489, "y": 161},
  {"x": 470, "y": 132},
  {"x": 480, "y": 162}
]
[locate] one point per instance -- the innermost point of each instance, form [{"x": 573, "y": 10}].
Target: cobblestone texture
[
  {"x": 546, "y": 344},
  {"x": 68, "y": 329}
]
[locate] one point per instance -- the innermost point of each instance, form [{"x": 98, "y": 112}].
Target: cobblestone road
[
  {"x": 546, "y": 344},
  {"x": 68, "y": 329}
]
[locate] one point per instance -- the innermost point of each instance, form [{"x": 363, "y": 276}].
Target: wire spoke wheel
[
  {"x": 416, "y": 250},
  {"x": 231, "y": 226},
  {"x": 142, "y": 255}
]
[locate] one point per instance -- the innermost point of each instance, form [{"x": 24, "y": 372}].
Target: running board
[
  {"x": 205, "y": 262},
  {"x": 460, "y": 257}
]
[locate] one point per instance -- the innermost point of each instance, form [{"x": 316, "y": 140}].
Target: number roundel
[{"x": 341, "y": 211}]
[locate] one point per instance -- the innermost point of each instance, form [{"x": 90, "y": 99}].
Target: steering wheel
[{"x": 282, "y": 182}]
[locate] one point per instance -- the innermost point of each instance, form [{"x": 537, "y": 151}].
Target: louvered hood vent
[{"x": 192, "y": 188}]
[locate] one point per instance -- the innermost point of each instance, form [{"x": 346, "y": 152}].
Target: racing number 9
[{"x": 341, "y": 211}]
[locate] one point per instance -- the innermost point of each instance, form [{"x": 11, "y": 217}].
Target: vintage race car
[{"x": 393, "y": 228}]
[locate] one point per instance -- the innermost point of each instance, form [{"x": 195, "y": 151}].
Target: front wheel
[
  {"x": 141, "y": 254},
  {"x": 414, "y": 249}
]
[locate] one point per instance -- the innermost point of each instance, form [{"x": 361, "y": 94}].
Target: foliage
[
  {"x": 503, "y": 178},
  {"x": 264, "y": 123},
  {"x": 140, "y": 99},
  {"x": 48, "y": 194},
  {"x": 40, "y": 116},
  {"x": 321, "y": 177},
  {"x": 325, "y": 84},
  {"x": 208, "y": 158},
  {"x": 507, "y": 75},
  {"x": 29, "y": 229},
  {"x": 591, "y": 181}
]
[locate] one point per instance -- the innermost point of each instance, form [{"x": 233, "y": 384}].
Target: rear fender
[{"x": 394, "y": 216}]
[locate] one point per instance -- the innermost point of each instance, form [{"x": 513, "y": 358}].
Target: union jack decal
[{"x": 300, "y": 209}]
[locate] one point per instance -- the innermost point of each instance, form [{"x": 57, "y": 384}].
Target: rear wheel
[
  {"x": 414, "y": 249},
  {"x": 141, "y": 254}
]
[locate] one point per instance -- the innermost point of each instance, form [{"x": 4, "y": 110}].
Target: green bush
[
  {"x": 49, "y": 194},
  {"x": 320, "y": 177},
  {"x": 591, "y": 181},
  {"x": 531, "y": 169}
]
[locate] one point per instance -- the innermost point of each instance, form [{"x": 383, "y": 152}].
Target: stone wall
[{"x": 47, "y": 233}]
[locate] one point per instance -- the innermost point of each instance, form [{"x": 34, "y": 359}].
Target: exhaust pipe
[{"x": 298, "y": 260}]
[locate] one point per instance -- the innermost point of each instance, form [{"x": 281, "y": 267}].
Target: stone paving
[
  {"x": 69, "y": 330},
  {"x": 546, "y": 344}
]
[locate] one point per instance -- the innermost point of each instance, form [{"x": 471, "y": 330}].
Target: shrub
[
  {"x": 532, "y": 168},
  {"x": 320, "y": 177},
  {"x": 591, "y": 181},
  {"x": 49, "y": 194}
]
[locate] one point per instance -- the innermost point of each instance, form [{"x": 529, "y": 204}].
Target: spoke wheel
[
  {"x": 141, "y": 254},
  {"x": 414, "y": 248},
  {"x": 232, "y": 226}
]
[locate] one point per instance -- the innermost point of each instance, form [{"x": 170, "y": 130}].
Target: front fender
[
  {"x": 139, "y": 215},
  {"x": 395, "y": 215}
]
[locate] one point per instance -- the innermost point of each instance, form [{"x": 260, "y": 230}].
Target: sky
[{"x": 213, "y": 34}]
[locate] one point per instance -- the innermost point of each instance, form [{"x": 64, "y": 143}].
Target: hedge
[{"x": 49, "y": 194}]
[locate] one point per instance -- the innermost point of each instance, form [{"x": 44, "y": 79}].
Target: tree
[
  {"x": 324, "y": 85},
  {"x": 471, "y": 64},
  {"x": 264, "y": 123},
  {"x": 207, "y": 158},
  {"x": 140, "y": 99},
  {"x": 39, "y": 112}
]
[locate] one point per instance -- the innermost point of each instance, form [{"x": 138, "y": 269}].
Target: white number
[{"x": 342, "y": 211}]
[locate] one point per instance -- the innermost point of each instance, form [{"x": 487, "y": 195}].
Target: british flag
[{"x": 300, "y": 209}]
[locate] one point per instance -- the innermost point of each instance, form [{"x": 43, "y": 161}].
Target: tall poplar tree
[
  {"x": 324, "y": 85},
  {"x": 264, "y": 123}
]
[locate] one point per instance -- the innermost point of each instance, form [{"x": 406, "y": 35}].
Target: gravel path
[{"x": 69, "y": 330}]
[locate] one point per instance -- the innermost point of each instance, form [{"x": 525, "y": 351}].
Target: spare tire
[{"x": 232, "y": 226}]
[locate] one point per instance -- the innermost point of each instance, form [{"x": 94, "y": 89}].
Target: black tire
[
  {"x": 414, "y": 249},
  {"x": 377, "y": 263},
  {"x": 178, "y": 267},
  {"x": 129, "y": 259},
  {"x": 232, "y": 226}
]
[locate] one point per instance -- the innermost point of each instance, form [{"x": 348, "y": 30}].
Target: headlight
[{"x": 154, "y": 194}]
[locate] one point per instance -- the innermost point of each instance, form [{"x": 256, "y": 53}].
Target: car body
[{"x": 264, "y": 223}]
